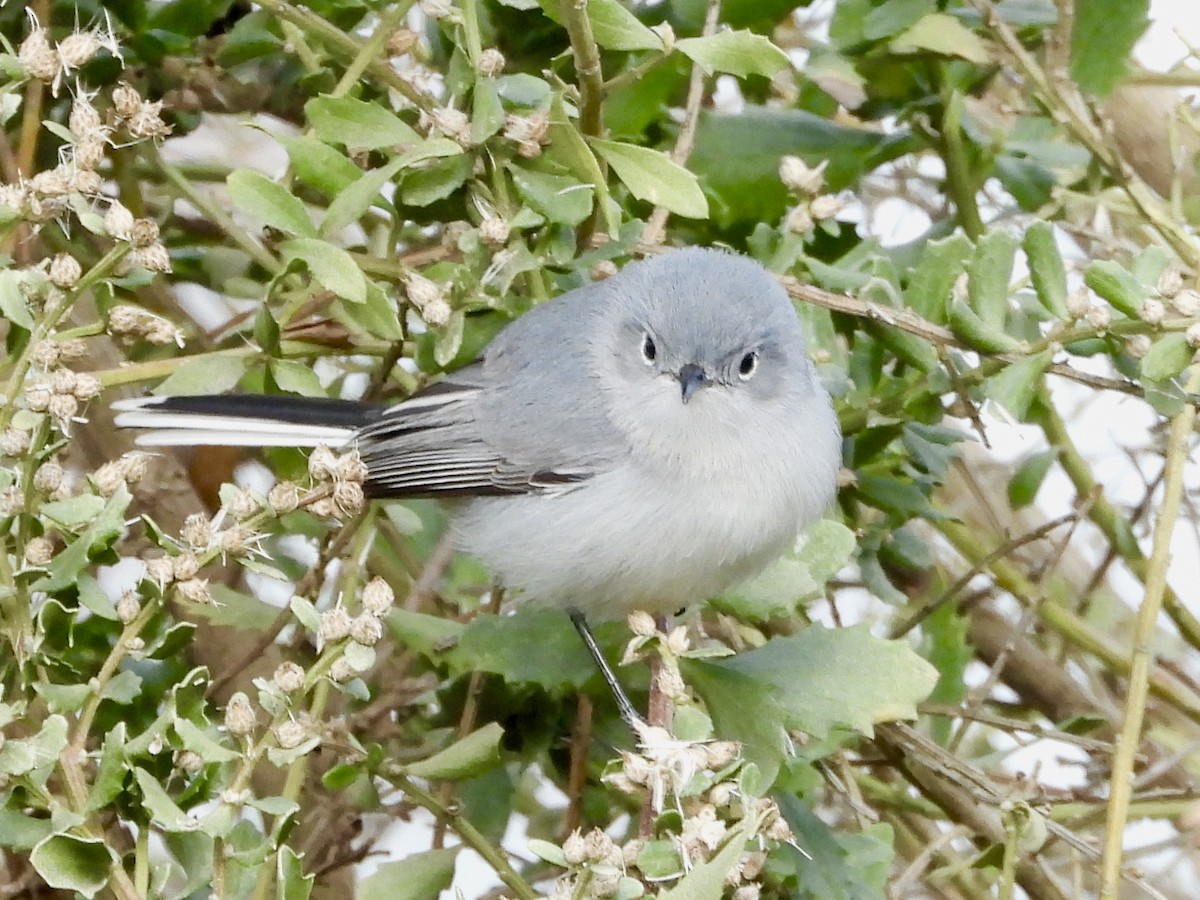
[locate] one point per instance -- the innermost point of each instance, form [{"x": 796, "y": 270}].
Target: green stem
[{"x": 1121, "y": 780}]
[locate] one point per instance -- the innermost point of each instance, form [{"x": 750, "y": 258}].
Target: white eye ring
[
  {"x": 748, "y": 366},
  {"x": 649, "y": 350}
]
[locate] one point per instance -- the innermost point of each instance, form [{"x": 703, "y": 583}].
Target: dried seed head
[
  {"x": 290, "y": 734},
  {"x": 39, "y": 551},
  {"x": 1152, "y": 311},
  {"x": 350, "y": 467},
  {"x": 147, "y": 122},
  {"x": 529, "y": 132},
  {"x": 118, "y": 223},
  {"x": 189, "y": 762},
  {"x": 126, "y": 100},
  {"x": 54, "y": 182},
  {"x": 324, "y": 508},
  {"x": 453, "y": 123},
  {"x": 401, "y": 41},
  {"x": 366, "y": 629},
  {"x": 826, "y": 206},
  {"x": 86, "y": 181},
  {"x": 597, "y": 845},
  {"x": 799, "y": 220},
  {"x": 719, "y": 754},
  {"x": 1193, "y": 335},
  {"x": 284, "y": 497},
  {"x": 154, "y": 258},
  {"x": 160, "y": 331},
  {"x": 196, "y": 530},
  {"x": 12, "y": 500},
  {"x": 62, "y": 381},
  {"x": 14, "y": 442},
  {"x": 574, "y": 849},
  {"x": 1138, "y": 345},
  {"x": 77, "y": 49},
  {"x": 349, "y": 496},
  {"x": 196, "y": 590},
  {"x": 37, "y": 397},
  {"x": 1170, "y": 282},
  {"x": 87, "y": 386},
  {"x": 335, "y": 625},
  {"x": 72, "y": 348},
  {"x": 378, "y": 597},
  {"x": 798, "y": 176},
  {"x": 143, "y": 233},
  {"x": 342, "y": 671},
  {"x": 160, "y": 570},
  {"x": 1187, "y": 302},
  {"x": 1078, "y": 303},
  {"x": 494, "y": 231},
  {"x": 185, "y": 566},
  {"x": 128, "y": 607},
  {"x": 289, "y": 677},
  {"x": 64, "y": 408},
  {"x": 242, "y": 504},
  {"x": 37, "y": 57},
  {"x": 84, "y": 120},
  {"x": 491, "y": 62},
  {"x": 109, "y": 478},
  {"x": 322, "y": 464},
  {"x": 239, "y": 715},
  {"x": 49, "y": 477},
  {"x": 1099, "y": 317},
  {"x": 136, "y": 464},
  {"x": 237, "y": 540}
]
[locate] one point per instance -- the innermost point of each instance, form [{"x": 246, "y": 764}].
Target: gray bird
[{"x": 643, "y": 442}]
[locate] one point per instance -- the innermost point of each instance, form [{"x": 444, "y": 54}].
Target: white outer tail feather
[{"x": 168, "y": 428}]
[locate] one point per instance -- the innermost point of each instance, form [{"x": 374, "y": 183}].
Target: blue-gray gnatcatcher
[{"x": 640, "y": 443}]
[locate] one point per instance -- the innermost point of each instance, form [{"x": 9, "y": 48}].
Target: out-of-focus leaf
[
  {"x": 613, "y": 26},
  {"x": 557, "y": 197},
  {"x": 942, "y": 34},
  {"x": 989, "y": 274},
  {"x": 1119, "y": 287},
  {"x": 290, "y": 881},
  {"x": 20, "y": 831},
  {"x": 212, "y": 373},
  {"x": 332, "y": 266},
  {"x": 932, "y": 279},
  {"x": 1015, "y": 386},
  {"x": 419, "y": 876},
  {"x": 739, "y": 53},
  {"x": 1167, "y": 357},
  {"x": 163, "y": 810},
  {"x": 1046, "y": 268},
  {"x": 834, "y": 865},
  {"x": 1103, "y": 33},
  {"x": 706, "y": 880},
  {"x": 473, "y": 755},
  {"x": 500, "y": 644},
  {"x": 894, "y": 16},
  {"x": 319, "y": 165},
  {"x": 1027, "y": 480}
]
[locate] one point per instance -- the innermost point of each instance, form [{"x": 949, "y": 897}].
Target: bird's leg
[{"x": 631, "y": 716}]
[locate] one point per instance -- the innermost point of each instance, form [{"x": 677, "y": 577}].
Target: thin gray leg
[{"x": 631, "y": 716}]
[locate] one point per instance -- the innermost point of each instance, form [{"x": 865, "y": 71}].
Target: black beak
[{"x": 691, "y": 379}]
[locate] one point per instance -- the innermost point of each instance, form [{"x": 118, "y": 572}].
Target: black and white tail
[{"x": 245, "y": 420}]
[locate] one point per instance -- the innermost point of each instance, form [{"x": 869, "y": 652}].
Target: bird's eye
[
  {"x": 649, "y": 350},
  {"x": 747, "y": 366}
]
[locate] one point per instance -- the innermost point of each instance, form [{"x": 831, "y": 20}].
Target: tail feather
[{"x": 245, "y": 420}]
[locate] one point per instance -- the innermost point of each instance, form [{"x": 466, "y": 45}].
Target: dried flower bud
[
  {"x": 196, "y": 530},
  {"x": 14, "y": 442},
  {"x": 1138, "y": 345},
  {"x": 48, "y": 477},
  {"x": 236, "y": 540},
  {"x": 196, "y": 590},
  {"x": 799, "y": 177},
  {"x": 289, "y": 677},
  {"x": 494, "y": 231},
  {"x": 597, "y": 845},
  {"x": 160, "y": 570},
  {"x": 677, "y": 641},
  {"x": 366, "y": 629},
  {"x": 642, "y": 624},
  {"x": 826, "y": 206},
  {"x": 128, "y": 607},
  {"x": 37, "y": 397},
  {"x": 77, "y": 49},
  {"x": 751, "y": 891},
  {"x": 37, "y": 57},
  {"x": 1152, "y": 311},
  {"x": 349, "y": 496},
  {"x": 284, "y": 497},
  {"x": 109, "y": 478},
  {"x": 143, "y": 233},
  {"x": 1193, "y": 335},
  {"x": 350, "y": 467},
  {"x": 436, "y": 9},
  {"x": 342, "y": 671},
  {"x": 72, "y": 348},
  {"x": 322, "y": 463},
  {"x": 87, "y": 386},
  {"x": 401, "y": 41},
  {"x": 126, "y": 100},
  {"x": 290, "y": 734},
  {"x": 64, "y": 408},
  {"x": 185, "y": 566},
  {"x": 491, "y": 62},
  {"x": 51, "y": 183},
  {"x": 160, "y": 331},
  {"x": 799, "y": 220},
  {"x": 84, "y": 120},
  {"x": 189, "y": 762},
  {"x": 118, "y": 223},
  {"x": 1099, "y": 317},
  {"x": 378, "y": 597},
  {"x": 574, "y": 849},
  {"x": 46, "y": 355},
  {"x": 1078, "y": 303},
  {"x": 242, "y": 505},
  {"x": 1170, "y": 283},
  {"x": 453, "y": 123},
  {"x": 154, "y": 258},
  {"x": 529, "y": 132},
  {"x": 147, "y": 122},
  {"x": 1187, "y": 302},
  {"x": 86, "y": 181},
  {"x": 62, "y": 381},
  {"x": 335, "y": 625},
  {"x": 719, "y": 754},
  {"x": 39, "y": 551},
  {"x": 324, "y": 508},
  {"x": 12, "y": 500},
  {"x": 239, "y": 715},
  {"x": 136, "y": 465}
]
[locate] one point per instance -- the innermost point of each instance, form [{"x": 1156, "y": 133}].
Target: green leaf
[
  {"x": 834, "y": 865},
  {"x": 487, "y": 112},
  {"x": 107, "y": 526},
  {"x": 739, "y": 53},
  {"x": 212, "y": 373},
  {"x": 269, "y": 202},
  {"x": 73, "y": 863},
  {"x": 706, "y": 880},
  {"x": 319, "y": 165},
  {"x": 419, "y": 876},
  {"x": 123, "y": 688},
  {"x": 499, "y": 644},
  {"x": 557, "y": 197},
  {"x": 652, "y": 176},
  {"x": 21, "y": 831},
  {"x": 163, "y": 810},
  {"x": 1167, "y": 357},
  {"x": 1046, "y": 268},
  {"x": 436, "y": 180},
  {"x": 109, "y": 780},
  {"x": 932, "y": 279},
  {"x": 332, "y": 266},
  {"x": 295, "y": 377},
  {"x": 290, "y": 881},
  {"x": 972, "y": 328},
  {"x": 894, "y": 16},
  {"x": 1015, "y": 386},
  {"x": 357, "y": 124},
  {"x": 1102, "y": 35},
  {"x": 1120, "y": 288},
  {"x": 475, "y": 754},
  {"x": 202, "y": 743},
  {"x": 989, "y": 274},
  {"x": 944, "y": 35},
  {"x": 14, "y": 305},
  {"x": 613, "y": 26},
  {"x": 1027, "y": 480},
  {"x": 842, "y": 677},
  {"x": 74, "y": 511}
]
